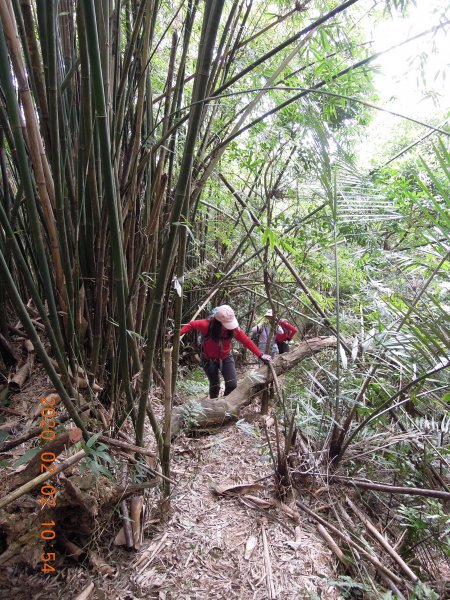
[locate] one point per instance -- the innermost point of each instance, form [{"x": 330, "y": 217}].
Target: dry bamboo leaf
[
  {"x": 242, "y": 488},
  {"x": 144, "y": 560},
  {"x": 289, "y": 511},
  {"x": 261, "y": 502},
  {"x": 28, "y": 346},
  {"x": 271, "y": 593},
  {"x": 120, "y": 540},
  {"x": 84, "y": 595},
  {"x": 269, "y": 421},
  {"x": 9, "y": 425},
  {"x": 73, "y": 550},
  {"x": 99, "y": 564},
  {"x": 84, "y": 384},
  {"x": 153, "y": 463},
  {"x": 250, "y": 546},
  {"x": 34, "y": 412},
  {"x": 52, "y": 399}
]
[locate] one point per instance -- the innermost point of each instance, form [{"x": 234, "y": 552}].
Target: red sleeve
[
  {"x": 202, "y": 325},
  {"x": 240, "y": 336},
  {"x": 291, "y": 330}
]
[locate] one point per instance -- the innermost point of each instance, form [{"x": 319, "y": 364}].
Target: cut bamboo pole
[
  {"x": 206, "y": 48},
  {"x": 165, "y": 463},
  {"x": 28, "y": 346},
  {"x": 373, "y": 559},
  {"x": 126, "y": 524},
  {"x": 332, "y": 544},
  {"x": 382, "y": 540},
  {"x": 271, "y": 593},
  {"x": 137, "y": 513},
  {"x": 15, "y": 383}
]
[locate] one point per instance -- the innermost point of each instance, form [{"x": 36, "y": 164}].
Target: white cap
[{"x": 225, "y": 314}]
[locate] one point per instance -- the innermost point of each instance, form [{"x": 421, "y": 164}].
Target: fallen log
[{"x": 207, "y": 413}]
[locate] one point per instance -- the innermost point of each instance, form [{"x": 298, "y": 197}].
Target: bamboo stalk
[
  {"x": 384, "y": 487},
  {"x": 285, "y": 261},
  {"x": 284, "y": 44},
  {"x": 332, "y": 544},
  {"x": 40, "y": 350},
  {"x": 165, "y": 463},
  {"x": 13, "y": 111},
  {"x": 120, "y": 285},
  {"x": 50, "y": 16},
  {"x": 126, "y": 523},
  {"x": 206, "y": 47}
]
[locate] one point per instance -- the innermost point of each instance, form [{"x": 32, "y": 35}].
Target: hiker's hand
[{"x": 266, "y": 358}]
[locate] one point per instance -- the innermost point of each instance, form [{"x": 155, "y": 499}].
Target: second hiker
[
  {"x": 261, "y": 333},
  {"x": 283, "y": 334}
]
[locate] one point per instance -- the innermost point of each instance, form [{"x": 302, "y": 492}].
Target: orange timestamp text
[{"x": 48, "y": 492}]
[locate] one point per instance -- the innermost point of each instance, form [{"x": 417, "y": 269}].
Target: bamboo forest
[{"x": 224, "y": 299}]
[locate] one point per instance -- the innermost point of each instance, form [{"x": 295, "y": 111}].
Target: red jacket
[
  {"x": 288, "y": 331},
  {"x": 212, "y": 349}
]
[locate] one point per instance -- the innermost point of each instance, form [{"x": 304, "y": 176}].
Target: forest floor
[
  {"x": 209, "y": 545},
  {"x": 199, "y": 553}
]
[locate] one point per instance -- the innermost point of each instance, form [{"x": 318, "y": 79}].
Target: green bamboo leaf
[
  {"x": 29, "y": 454},
  {"x": 92, "y": 440}
]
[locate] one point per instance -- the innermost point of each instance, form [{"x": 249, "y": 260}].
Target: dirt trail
[
  {"x": 202, "y": 554},
  {"x": 198, "y": 554}
]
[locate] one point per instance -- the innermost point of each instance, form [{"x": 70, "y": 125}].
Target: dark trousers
[
  {"x": 283, "y": 347},
  {"x": 226, "y": 366}
]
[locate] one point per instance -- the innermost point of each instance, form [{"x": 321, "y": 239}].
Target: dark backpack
[{"x": 256, "y": 334}]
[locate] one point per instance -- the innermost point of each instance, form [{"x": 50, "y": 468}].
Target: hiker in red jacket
[
  {"x": 217, "y": 332},
  {"x": 282, "y": 339}
]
